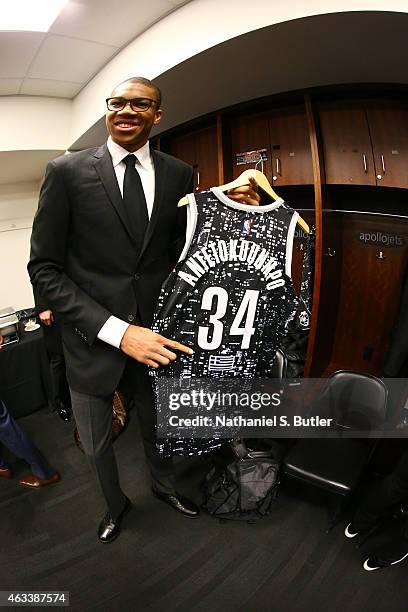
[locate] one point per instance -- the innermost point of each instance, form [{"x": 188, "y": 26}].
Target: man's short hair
[{"x": 146, "y": 82}]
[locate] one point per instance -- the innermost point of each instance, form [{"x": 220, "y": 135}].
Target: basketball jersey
[{"x": 230, "y": 297}]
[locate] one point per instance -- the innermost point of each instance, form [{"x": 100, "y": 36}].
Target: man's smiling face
[{"x": 129, "y": 128}]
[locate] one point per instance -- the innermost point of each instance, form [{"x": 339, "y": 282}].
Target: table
[{"x": 25, "y": 383}]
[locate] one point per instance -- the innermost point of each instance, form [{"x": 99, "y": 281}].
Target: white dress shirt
[
  {"x": 113, "y": 330},
  {"x": 144, "y": 166}
]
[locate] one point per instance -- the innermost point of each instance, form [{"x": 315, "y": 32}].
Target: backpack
[{"x": 244, "y": 488}]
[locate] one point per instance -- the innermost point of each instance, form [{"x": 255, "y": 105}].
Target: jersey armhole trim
[
  {"x": 192, "y": 216},
  {"x": 289, "y": 244}
]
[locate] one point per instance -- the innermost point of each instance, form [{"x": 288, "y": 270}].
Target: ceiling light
[{"x": 29, "y": 15}]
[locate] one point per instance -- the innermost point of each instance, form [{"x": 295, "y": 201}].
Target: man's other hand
[
  {"x": 150, "y": 348},
  {"x": 247, "y": 194},
  {"x": 46, "y": 317}
]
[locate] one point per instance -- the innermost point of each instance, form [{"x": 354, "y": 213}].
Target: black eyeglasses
[{"x": 136, "y": 104}]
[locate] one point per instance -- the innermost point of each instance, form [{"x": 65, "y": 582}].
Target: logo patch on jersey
[
  {"x": 221, "y": 363},
  {"x": 246, "y": 226},
  {"x": 304, "y": 319}
]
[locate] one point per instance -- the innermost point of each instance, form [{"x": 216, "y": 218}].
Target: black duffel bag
[{"x": 244, "y": 488}]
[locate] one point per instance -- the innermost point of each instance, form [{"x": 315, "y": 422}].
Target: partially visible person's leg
[
  {"x": 392, "y": 552},
  {"x": 5, "y": 471},
  {"x": 387, "y": 493},
  {"x": 17, "y": 441}
]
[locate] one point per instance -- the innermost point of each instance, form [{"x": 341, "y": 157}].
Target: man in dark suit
[{"x": 105, "y": 236}]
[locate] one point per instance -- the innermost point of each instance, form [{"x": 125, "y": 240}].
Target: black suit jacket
[{"x": 84, "y": 261}]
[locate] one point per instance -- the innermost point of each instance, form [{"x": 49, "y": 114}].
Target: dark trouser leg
[
  {"x": 136, "y": 384},
  {"x": 93, "y": 416},
  {"x": 3, "y": 464},
  {"x": 12, "y": 436},
  {"x": 397, "y": 545},
  {"x": 59, "y": 385},
  {"x": 390, "y": 491}
]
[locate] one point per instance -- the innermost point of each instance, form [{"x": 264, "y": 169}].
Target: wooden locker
[
  {"x": 370, "y": 258},
  {"x": 388, "y": 123},
  {"x": 290, "y": 147},
  {"x": 348, "y": 156},
  {"x": 250, "y": 133}
]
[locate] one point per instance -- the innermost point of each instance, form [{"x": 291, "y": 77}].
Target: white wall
[
  {"x": 34, "y": 123},
  {"x": 18, "y": 203}
]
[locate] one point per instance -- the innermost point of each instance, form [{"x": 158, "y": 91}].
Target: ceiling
[
  {"x": 35, "y": 63},
  {"x": 337, "y": 48}
]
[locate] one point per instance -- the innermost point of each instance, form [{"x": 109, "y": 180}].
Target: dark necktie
[{"x": 134, "y": 201}]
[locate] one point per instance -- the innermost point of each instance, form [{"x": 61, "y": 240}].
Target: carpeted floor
[{"x": 164, "y": 562}]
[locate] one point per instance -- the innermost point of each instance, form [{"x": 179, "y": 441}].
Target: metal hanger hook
[{"x": 260, "y": 161}]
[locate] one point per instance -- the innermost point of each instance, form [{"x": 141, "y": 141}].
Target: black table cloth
[{"x": 25, "y": 384}]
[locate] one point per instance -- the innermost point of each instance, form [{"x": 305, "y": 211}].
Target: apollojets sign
[{"x": 381, "y": 239}]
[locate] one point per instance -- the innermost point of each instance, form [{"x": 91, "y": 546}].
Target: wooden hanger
[{"x": 263, "y": 183}]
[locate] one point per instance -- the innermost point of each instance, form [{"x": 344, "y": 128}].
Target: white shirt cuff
[{"x": 113, "y": 331}]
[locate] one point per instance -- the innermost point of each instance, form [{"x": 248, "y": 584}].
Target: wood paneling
[
  {"x": 220, "y": 151},
  {"x": 199, "y": 149},
  {"x": 290, "y": 147},
  {"x": 328, "y": 292},
  {"x": 206, "y": 157},
  {"x": 347, "y": 150},
  {"x": 249, "y": 133},
  {"x": 317, "y": 181},
  {"x": 181, "y": 146},
  {"x": 285, "y": 136},
  {"x": 388, "y": 123},
  {"x": 364, "y": 279}
]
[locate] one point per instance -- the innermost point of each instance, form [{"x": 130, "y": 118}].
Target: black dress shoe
[
  {"x": 181, "y": 504},
  {"x": 109, "y": 529}
]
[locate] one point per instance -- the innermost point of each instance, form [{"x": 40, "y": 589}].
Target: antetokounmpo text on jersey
[{"x": 221, "y": 251}]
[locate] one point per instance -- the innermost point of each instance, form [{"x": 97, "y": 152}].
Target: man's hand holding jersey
[
  {"x": 247, "y": 194},
  {"x": 150, "y": 348}
]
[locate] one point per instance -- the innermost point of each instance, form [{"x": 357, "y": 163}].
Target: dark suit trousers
[
  {"x": 93, "y": 417},
  {"x": 17, "y": 441}
]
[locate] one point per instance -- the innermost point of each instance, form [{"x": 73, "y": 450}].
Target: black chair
[{"x": 357, "y": 403}]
